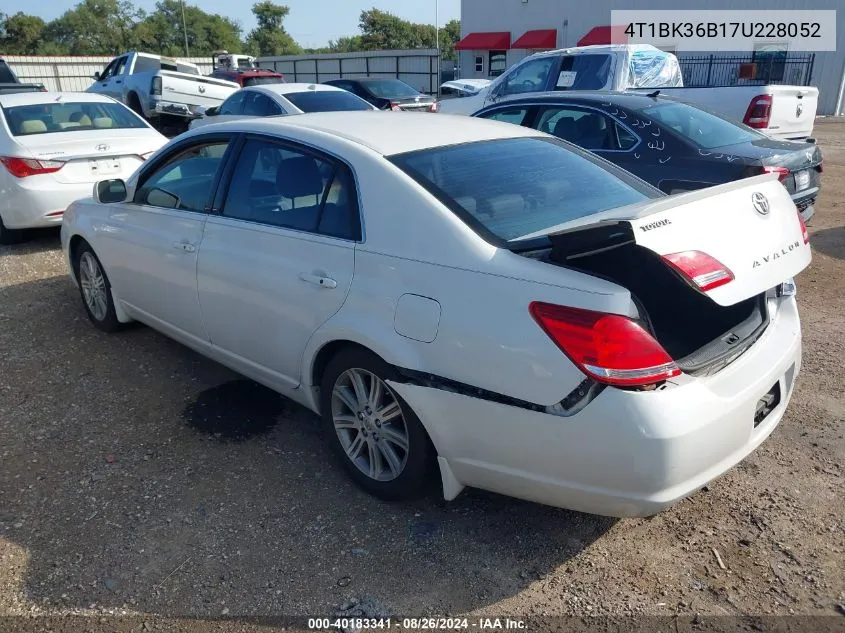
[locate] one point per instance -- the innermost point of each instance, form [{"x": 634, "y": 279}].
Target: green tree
[
  {"x": 162, "y": 31},
  {"x": 21, "y": 34},
  {"x": 95, "y": 27},
  {"x": 270, "y": 37},
  {"x": 449, "y": 36}
]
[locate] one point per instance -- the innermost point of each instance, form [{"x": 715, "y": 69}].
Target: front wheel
[
  {"x": 376, "y": 435},
  {"x": 95, "y": 289}
]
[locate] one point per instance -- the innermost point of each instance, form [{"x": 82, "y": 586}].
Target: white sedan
[
  {"x": 281, "y": 99},
  {"x": 55, "y": 145},
  {"x": 559, "y": 332}
]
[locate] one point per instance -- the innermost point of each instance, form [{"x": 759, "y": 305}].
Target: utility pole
[
  {"x": 185, "y": 30},
  {"x": 437, "y": 42}
]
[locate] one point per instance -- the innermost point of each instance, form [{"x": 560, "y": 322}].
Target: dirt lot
[{"x": 137, "y": 478}]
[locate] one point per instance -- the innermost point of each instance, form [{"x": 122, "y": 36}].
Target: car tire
[
  {"x": 389, "y": 457},
  {"x": 95, "y": 290},
  {"x": 9, "y": 236}
]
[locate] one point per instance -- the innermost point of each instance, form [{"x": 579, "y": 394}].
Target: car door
[
  {"x": 151, "y": 242},
  {"x": 277, "y": 257},
  {"x": 111, "y": 83},
  {"x": 102, "y": 84}
]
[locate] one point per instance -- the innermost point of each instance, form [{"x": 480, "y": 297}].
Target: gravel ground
[{"x": 139, "y": 478}]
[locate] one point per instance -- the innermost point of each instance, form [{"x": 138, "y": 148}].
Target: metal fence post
[
  {"x": 810, "y": 71},
  {"x": 709, "y": 69}
]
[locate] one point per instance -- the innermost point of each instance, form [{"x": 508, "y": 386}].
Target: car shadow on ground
[
  {"x": 138, "y": 474},
  {"x": 34, "y": 241},
  {"x": 830, "y": 242}
]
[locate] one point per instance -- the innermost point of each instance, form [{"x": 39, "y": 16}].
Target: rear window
[
  {"x": 388, "y": 88},
  {"x": 151, "y": 64},
  {"x": 327, "y": 101},
  {"x": 260, "y": 81},
  {"x": 510, "y": 188},
  {"x": 704, "y": 129},
  {"x": 46, "y": 118}
]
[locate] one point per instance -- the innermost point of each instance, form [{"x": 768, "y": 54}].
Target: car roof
[
  {"x": 631, "y": 100},
  {"x": 40, "y": 98},
  {"x": 389, "y": 133},
  {"x": 288, "y": 88}
]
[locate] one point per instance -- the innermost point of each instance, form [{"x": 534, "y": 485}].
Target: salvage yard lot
[{"x": 138, "y": 477}]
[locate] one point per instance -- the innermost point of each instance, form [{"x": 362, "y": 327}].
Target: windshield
[
  {"x": 327, "y": 101},
  {"x": 44, "y": 118},
  {"x": 584, "y": 72},
  {"x": 389, "y": 88},
  {"x": 553, "y": 184},
  {"x": 260, "y": 81},
  {"x": 705, "y": 129}
]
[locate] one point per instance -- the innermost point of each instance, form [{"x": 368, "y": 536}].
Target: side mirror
[
  {"x": 212, "y": 111},
  {"x": 96, "y": 76},
  {"x": 110, "y": 191}
]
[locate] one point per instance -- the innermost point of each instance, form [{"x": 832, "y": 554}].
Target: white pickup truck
[
  {"x": 162, "y": 90},
  {"x": 782, "y": 112}
]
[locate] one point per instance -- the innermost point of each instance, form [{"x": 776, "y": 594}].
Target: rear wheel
[
  {"x": 95, "y": 289},
  {"x": 9, "y": 236},
  {"x": 376, "y": 435}
]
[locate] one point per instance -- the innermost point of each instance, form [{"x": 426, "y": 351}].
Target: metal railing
[{"x": 754, "y": 69}]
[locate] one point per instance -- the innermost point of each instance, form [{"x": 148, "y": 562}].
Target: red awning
[
  {"x": 546, "y": 38},
  {"x": 485, "y": 42},
  {"x": 599, "y": 35}
]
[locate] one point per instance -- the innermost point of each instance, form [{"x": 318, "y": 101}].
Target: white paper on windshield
[{"x": 566, "y": 79}]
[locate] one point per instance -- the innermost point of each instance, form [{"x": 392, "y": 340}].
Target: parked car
[
  {"x": 561, "y": 332},
  {"x": 55, "y": 145},
  {"x": 166, "y": 92},
  {"x": 388, "y": 94},
  {"x": 281, "y": 99},
  {"x": 780, "y": 111},
  {"x": 10, "y": 84},
  {"x": 250, "y": 77},
  {"x": 673, "y": 145}
]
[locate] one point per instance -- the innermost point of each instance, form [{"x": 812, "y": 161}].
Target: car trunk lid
[{"x": 793, "y": 111}]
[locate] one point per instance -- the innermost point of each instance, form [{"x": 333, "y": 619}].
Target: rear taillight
[
  {"x": 804, "y": 234},
  {"x": 155, "y": 88},
  {"x": 782, "y": 172},
  {"x": 610, "y": 348},
  {"x": 23, "y": 167},
  {"x": 395, "y": 107},
  {"x": 758, "y": 112},
  {"x": 703, "y": 271},
  {"x": 434, "y": 107}
]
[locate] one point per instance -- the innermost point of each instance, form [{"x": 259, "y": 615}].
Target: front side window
[
  {"x": 233, "y": 105},
  {"x": 705, "y": 129},
  {"x": 531, "y": 76},
  {"x": 327, "y": 101},
  {"x": 186, "y": 180},
  {"x": 586, "y": 128},
  {"x": 552, "y": 185},
  {"x": 67, "y": 117},
  {"x": 257, "y": 104},
  {"x": 279, "y": 186}
]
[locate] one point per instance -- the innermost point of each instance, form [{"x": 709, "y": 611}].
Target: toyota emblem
[
  {"x": 760, "y": 202},
  {"x": 102, "y": 148}
]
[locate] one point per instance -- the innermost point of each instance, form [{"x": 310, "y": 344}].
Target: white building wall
[{"x": 574, "y": 19}]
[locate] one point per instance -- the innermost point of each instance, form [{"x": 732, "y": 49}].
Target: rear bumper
[
  {"x": 39, "y": 201},
  {"x": 173, "y": 108},
  {"x": 627, "y": 453}
]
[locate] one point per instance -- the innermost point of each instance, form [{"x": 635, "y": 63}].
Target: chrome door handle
[
  {"x": 184, "y": 246},
  {"x": 317, "y": 280}
]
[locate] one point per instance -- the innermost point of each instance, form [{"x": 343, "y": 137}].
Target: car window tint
[
  {"x": 508, "y": 115},
  {"x": 232, "y": 105},
  {"x": 186, "y": 180},
  {"x": 586, "y": 128},
  {"x": 144, "y": 64},
  {"x": 530, "y": 76},
  {"x": 278, "y": 186},
  {"x": 257, "y": 104},
  {"x": 552, "y": 185},
  {"x": 625, "y": 139},
  {"x": 706, "y": 129},
  {"x": 327, "y": 101}
]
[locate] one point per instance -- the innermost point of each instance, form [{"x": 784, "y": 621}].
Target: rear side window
[
  {"x": 587, "y": 128},
  {"x": 327, "y": 101},
  {"x": 279, "y": 186},
  {"x": 511, "y": 188}
]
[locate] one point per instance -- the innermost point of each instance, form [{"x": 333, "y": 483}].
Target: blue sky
[{"x": 312, "y": 23}]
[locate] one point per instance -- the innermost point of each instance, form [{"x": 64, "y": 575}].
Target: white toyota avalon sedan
[
  {"x": 55, "y": 145},
  {"x": 465, "y": 298}
]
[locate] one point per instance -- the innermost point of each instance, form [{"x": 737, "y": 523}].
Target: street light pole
[
  {"x": 437, "y": 42},
  {"x": 185, "y": 30}
]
